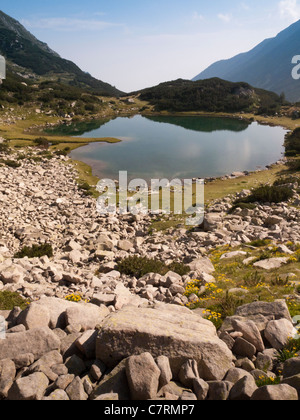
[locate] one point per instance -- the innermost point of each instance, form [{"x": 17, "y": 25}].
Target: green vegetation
[
  {"x": 32, "y": 56},
  {"x": 291, "y": 350},
  {"x": 264, "y": 194},
  {"x": 266, "y": 381},
  {"x": 140, "y": 266},
  {"x": 11, "y": 163},
  {"x": 292, "y": 143},
  {"x": 36, "y": 251},
  {"x": 211, "y": 95},
  {"x": 237, "y": 284},
  {"x": 86, "y": 189},
  {"x": 10, "y": 300}
]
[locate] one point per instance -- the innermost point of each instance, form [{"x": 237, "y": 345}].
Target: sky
[{"x": 134, "y": 44}]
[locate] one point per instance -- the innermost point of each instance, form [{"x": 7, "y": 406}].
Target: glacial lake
[{"x": 176, "y": 147}]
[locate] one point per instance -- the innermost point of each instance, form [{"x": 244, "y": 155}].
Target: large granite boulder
[{"x": 167, "y": 330}]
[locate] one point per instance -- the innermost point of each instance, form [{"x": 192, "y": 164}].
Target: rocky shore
[{"x": 132, "y": 338}]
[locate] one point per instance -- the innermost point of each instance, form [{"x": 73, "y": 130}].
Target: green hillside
[
  {"x": 212, "y": 95},
  {"x": 29, "y": 57}
]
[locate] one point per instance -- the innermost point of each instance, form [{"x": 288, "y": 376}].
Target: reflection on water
[{"x": 170, "y": 147}]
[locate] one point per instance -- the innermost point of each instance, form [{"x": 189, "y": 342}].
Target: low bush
[
  {"x": 10, "y": 300},
  {"x": 11, "y": 163},
  {"x": 294, "y": 164},
  {"x": 241, "y": 205},
  {"x": 264, "y": 194},
  {"x": 36, "y": 251},
  {"x": 85, "y": 188},
  {"x": 271, "y": 194},
  {"x": 4, "y": 147},
  {"x": 140, "y": 266},
  {"x": 259, "y": 243},
  {"x": 42, "y": 142}
]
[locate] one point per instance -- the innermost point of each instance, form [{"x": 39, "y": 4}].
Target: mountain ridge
[
  {"x": 267, "y": 66},
  {"x": 33, "y": 59}
]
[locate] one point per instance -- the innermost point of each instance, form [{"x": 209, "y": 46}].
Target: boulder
[
  {"x": 12, "y": 275},
  {"x": 29, "y": 388},
  {"x": 188, "y": 372},
  {"x": 35, "y": 316},
  {"x": 143, "y": 377},
  {"x": 250, "y": 333},
  {"x": 75, "y": 390},
  {"x": 114, "y": 382},
  {"x": 86, "y": 314},
  {"x": 281, "y": 392},
  {"x": 165, "y": 370},
  {"x": 243, "y": 348},
  {"x": 200, "y": 388},
  {"x": 291, "y": 367},
  {"x": 63, "y": 313},
  {"x": 233, "y": 254},
  {"x": 7, "y": 376},
  {"x": 243, "y": 389},
  {"x": 277, "y": 310},
  {"x": 168, "y": 330},
  {"x": 278, "y": 332},
  {"x": 38, "y": 342},
  {"x": 202, "y": 265},
  {"x": 271, "y": 263}
]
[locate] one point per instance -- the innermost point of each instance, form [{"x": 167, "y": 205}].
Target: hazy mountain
[
  {"x": 33, "y": 59},
  {"x": 268, "y": 66}
]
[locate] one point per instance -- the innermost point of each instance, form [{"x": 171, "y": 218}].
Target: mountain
[
  {"x": 267, "y": 66},
  {"x": 30, "y": 58},
  {"x": 212, "y": 95}
]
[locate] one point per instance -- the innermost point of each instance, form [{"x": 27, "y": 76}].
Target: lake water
[{"x": 176, "y": 147}]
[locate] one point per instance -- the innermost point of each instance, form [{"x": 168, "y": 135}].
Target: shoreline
[{"x": 207, "y": 180}]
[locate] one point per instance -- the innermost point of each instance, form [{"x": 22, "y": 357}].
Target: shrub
[
  {"x": 179, "y": 268},
  {"x": 4, "y": 148},
  {"x": 271, "y": 194},
  {"x": 265, "y": 194},
  {"x": 9, "y": 300},
  {"x": 140, "y": 266},
  {"x": 61, "y": 153},
  {"x": 42, "y": 142},
  {"x": 36, "y": 251},
  {"x": 259, "y": 243},
  {"x": 12, "y": 163},
  {"x": 294, "y": 164},
  {"x": 287, "y": 180},
  {"x": 85, "y": 188},
  {"x": 241, "y": 205}
]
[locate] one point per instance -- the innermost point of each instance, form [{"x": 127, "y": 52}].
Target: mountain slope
[
  {"x": 212, "y": 95},
  {"x": 29, "y": 57},
  {"x": 267, "y": 66}
]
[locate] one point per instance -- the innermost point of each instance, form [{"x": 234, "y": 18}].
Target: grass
[{"x": 252, "y": 284}]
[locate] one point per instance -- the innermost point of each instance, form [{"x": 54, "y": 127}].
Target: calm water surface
[{"x": 176, "y": 147}]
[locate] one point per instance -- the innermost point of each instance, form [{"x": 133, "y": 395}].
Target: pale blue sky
[{"x": 134, "y": 44}]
